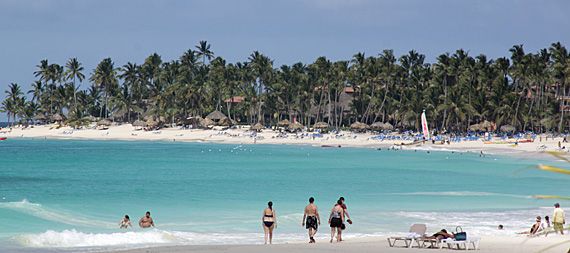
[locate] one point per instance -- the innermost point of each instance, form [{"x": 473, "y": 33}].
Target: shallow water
[{"x": 72, "y": 193}]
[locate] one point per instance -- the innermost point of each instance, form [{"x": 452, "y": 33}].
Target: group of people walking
[{"x": 311, "y": 220}]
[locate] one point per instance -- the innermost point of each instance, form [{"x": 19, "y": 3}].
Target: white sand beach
[
  {"x": 245, "y": 136},
  {"x": 552, "y": 243}
]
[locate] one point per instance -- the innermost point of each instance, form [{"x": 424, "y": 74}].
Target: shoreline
[{"x": 243, "y": 136}]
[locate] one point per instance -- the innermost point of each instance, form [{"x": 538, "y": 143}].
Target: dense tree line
[{"x": 528, "y": 90}]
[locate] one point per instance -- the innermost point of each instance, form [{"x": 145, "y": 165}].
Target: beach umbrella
[
  {"x": 355, "y": 125},
  {"x": 358, "y": 125},
  {"x": 321, "y": 125},
  {"x": 477, "y": 127},
  {"x": 90, "y": 118},
  {"x": 486, "y": 124},
  {"x": 216, "y": 115},
  {"x": 104, "y": 122},
  {"x": 387, "y": 126},
  {"x": 57, "y": 117},
  {"x": 257, "y": 127},
  {"x": 295, "y": 126},
  {"x": 151, "y": 123},
  {"x": 148, "y": 118},
  {"x": 377, "y": 125},
  {"x": 507, "y": 128},
  {"x": 40, "y": 117},
  {"x": 284, "y": 123},
  {"x": 226, "y": 122},
  {"x": 204, "y": 123},
  {"x": 138, "y": 123}
]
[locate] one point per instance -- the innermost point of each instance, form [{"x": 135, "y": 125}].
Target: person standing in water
[
  {"x": 336, "y": 218},
  {"x": 125, "y": 222},
  {"x": 269, "y": 221},
  {"x": 146, "y": 221},
  {"x": 558, "y": 220},
  {"x": 345, "y": 214},
  {"x": 312, "y": 215}
]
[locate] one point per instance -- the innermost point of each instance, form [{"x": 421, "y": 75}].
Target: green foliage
[{"x": 529, "y": 91}]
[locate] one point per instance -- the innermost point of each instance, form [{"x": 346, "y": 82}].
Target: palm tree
[
  {"x": 9, "y": 108},
  {"x": 561, "y": 73},
  {"x": 14, "y": 91},
  {"x": 262, "y": 68},
  {"x": 37, "y": 91},
  {"x": 73, "y": 71},
  {"x": 204, "y": 51},
  {"x": 105, "y": 76}
]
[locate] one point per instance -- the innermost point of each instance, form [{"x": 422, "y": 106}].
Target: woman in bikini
[
  {"x": 125, "y": 222},
  {"x": 336, "y": 219},
  {"x": 269, "y": 221},
  {"x": 442, "y": 234}
]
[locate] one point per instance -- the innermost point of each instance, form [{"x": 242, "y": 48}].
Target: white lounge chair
[
  {"x": 416, "y": 231},
  {"x": 465, "y": 243}
]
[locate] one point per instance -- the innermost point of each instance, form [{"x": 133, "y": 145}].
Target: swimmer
[
  {"x": 146, "y": 221},
  {"x": 125, "y": 222}
]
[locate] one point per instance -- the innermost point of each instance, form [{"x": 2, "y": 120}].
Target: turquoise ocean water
[{"x": 71, "y": 194}]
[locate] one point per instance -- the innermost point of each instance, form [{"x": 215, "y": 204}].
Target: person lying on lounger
[
  {"x": 536, "y": 227},
  {"x": 442, "y": 234}
]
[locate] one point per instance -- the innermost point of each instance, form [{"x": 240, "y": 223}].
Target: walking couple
[{"x": 336, "y": 219}]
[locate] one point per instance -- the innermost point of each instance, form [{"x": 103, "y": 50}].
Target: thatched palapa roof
[
  {"x": 104, "y": 122},
  {"x": 295, "y": 127},
  {"x": 383, "y": 126},
  {"x": 507, "y": 128},
  {"x": 40, "y": 117},
  {"x": 321, "y": 125},
  {"x": 284, "y": 123},
  {"x": 257, "y": 127},
  {"x": 216, "y": 115},
  {"x": 57, "y": 117},
  {"x": 359, "y": 126},
  {"x": 138, "y": 123}
]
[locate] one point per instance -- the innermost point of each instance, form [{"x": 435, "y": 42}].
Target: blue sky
[{"x": 286, "y": 31}]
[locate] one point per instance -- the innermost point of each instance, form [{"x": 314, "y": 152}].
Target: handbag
[
  {"x": 460, "y": 235},
  {"x": 342, "y": 226}
]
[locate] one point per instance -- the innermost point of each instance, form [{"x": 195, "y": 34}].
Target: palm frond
[
  {"x": 550, "y": 197},
  {"x": 563, "y": 156},
  {"x": 553, "y": 169}
]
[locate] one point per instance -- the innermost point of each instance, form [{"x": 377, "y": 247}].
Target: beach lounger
[
  {"x": 474, "y": 241},
  {"x": 416, "y": 231}
]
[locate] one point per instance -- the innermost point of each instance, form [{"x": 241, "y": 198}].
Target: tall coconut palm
[
  {"x": 73, "y": 71},
  {"x": 105, "y": 76},
  {"x": 204, "y": 51},
  {"x": 9, "y": 108},
  {"x": 561, "y": 73},
  {"x": 262, "y": 67}
]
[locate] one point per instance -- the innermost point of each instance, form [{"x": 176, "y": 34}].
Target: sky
[{"x": 287, "y": 31}]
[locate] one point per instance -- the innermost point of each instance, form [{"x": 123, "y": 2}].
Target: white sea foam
[
  {"x": 150, "y": 238},
  {"x": 478, "y": 223},
  {"x": 61, "y": 216},
  {"x": 461, "y": 193}
]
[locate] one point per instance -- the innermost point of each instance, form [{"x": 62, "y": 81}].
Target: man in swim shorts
[
  {"x": 312, "y": 217},
  {"x": 146, "y": 221}
]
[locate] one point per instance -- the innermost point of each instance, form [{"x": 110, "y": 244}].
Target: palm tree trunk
[{"x": 562, "y": 105}]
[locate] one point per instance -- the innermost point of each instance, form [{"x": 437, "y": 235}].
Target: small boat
[
  {"x": 418, "y": 142},
  {"x": 2, "y": 138},
  {"x": 330, "y": 146}
]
